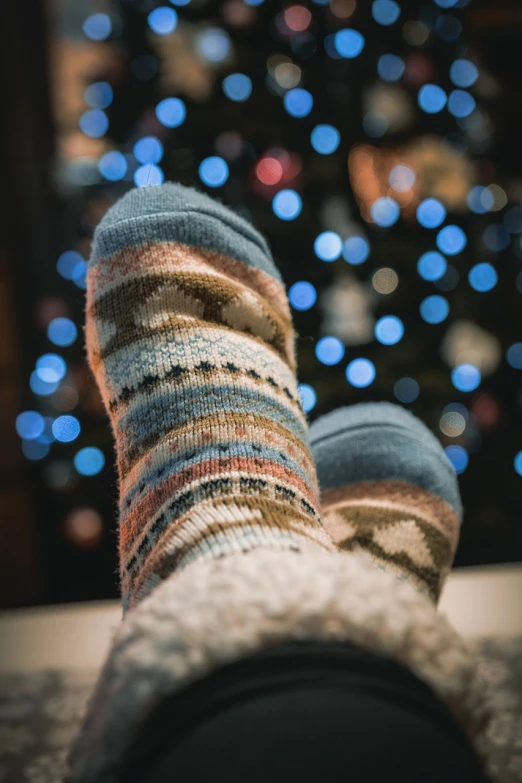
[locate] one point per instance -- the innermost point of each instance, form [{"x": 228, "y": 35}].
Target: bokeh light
[
  {"x": 406, "y": 390},
  {"x": 62, "y": 332},
  {"x": 431, "y": 265},
  {"x": 463, "y": 73},
  {"x": 287, "y": 204},
  {"x": 269, "y": 171},
  {"x": 97, "y": 27},
  {"x": 171, "y": 112},
  {"x": 385, "y": 212},
  {"x": 457, "y": 457},
  {"x": 41, "y": 388},
  {"x": 480, "y": 200},
  {"x": 67, "y": 262},
  {"x": 402, "y": 178},
  {"x": 94, "y": 123},
  {"x": 448, "y": 27},
  {"x": 298, "y": 102},
  {"x": 513, "y": 220},
  {"x": 517, "y": 462},
  {"x": 99, "y": 95},
  {"x": 446, "y": 3},
  {"x": 213, "y": 44},
  {"x": 89, "y": 461},
  {"x": 213, "y": 171},
  {"x": 360, "y": 373},
  {"x": 237, "y": 87},
  {"x": 329, "y": 350},
  {"x": 66, "y": 428},
  {"x": 356, "y": 250},
  {"x": 390, "y": 67},
  {"x": 496, "y": 237},
  {"x": 466, "y": 377},
  {"x": 325, "y": 139},
  {"x": 389, "y": 330},
  {"x": 349, "y": 43},
  {"x": 461, "y": 103},
  {"x": 163, "y": 20},
  {"x": 385, "y": 280},
  {"x": 452, "y": 424},
  {"x": 113, "y": 166},
  {"x": 451, "y": 240},
  {"x": 431, "y": 213},
  {"x": 302, "y": 295},
  {"x": 35, "y": 449},
  {"x": 514, "y": 356},
  {"x": 432, "y": 98},
  {"x": 328, "y": 246},
  {"x": 434, "y": 309},
  {"x": 148, "y": 175},
  {"x": 385, "y": 12},
  {"x": 308, "y": 396},
  {"x": 30, "y": 425},
  {"x": 83, "y": 527},
  {"x": 148, "y": 149},
  {"x": 483, "y": 277},
  {"x": 51, "y": 368},
  {"x": 375, "y": 124}
]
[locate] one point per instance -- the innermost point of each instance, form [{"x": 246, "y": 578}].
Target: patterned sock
[
  {"x": 190, "y": 338},
  {"x": 388, "y": 488}
]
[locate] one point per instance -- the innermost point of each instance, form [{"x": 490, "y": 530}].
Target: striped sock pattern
[
  {"x": 189, "y": 336},
  {"x": 388, "y": 489}
]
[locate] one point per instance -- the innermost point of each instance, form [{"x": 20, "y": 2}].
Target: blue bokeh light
[
  {"x": 356, "y": 250},
  {"x": 148, "y": 174},
  {"x": 237, "y": 87},
  {"x": 385, "y": 12},
  {"x": 41, "y": 388},
  {"x": 375, "y": 124},
  {"x": 30, "y": 425},
  {"x": 513, "y": 220},
  {"x": 432, "y": 265},
  {"x": 325, "y": 139},
  {"x": 406, "y": 390},
  {"x": 457, "y": 457},
  {"x": 446, "y": 3},
  {"x": 97, "y": 27},
  {"x": 163, "y": 20},
  {"x": 148, "y": 149},
  {"x": 171, "y": 112},
  {"x": 302, "y": 295},
  {"x": 348, "y": 43},
  {"x": 390, "y": 67},
  {"x": 518, "y": 463},
  {"x": 213, "y": 45},
  {"x": 434, "y": 309},
  {"x": 431, "y": 213},
  {"x": 480, "y": 200},
  {"x": 389, "y": 330},
  {"x": 432, "y": 98},
  {"x": 79, "y": 274},
  {"x": 99, "y": 95},
  {"x": 451, "y": 240},
  {"x": 360, "y": 373},
  {"x": 461, "y": 103},
  {"x": 483, "y": 277},
  {"x": 35, "y": 449},
  {"x": 298, "y": 102},
  {"x": 514, "y": 356},
  {"x": 66, "y": 428},
  {"x": 94, "y": 123},
  {"x": 308, "y": 396},
  {"x": 385, "y": 212},
  {"x": 62, "y": 332},
  {"x": 329, "y": 350},
  {"x": 466, "y": 377},
  {"x": 328, "y": 246},
  {"x": 89, "y": 461},
  {"x": 496, "y": 238},
  {"x": 213, "y": 171},
  {"x": 402, "y": 178},
  {"x": 51, "y": 368},
  {"x": 180, "y": 2},
  {"x": 67, "y": 262},
  {"x": 113, "y": 166},
  {"x": 287, "y": 204},
  {"x": 463, "y": 73},
  {"x": 448, "y": 27}
]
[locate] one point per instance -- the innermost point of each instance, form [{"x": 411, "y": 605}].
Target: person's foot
[
  {"x": 190, "y": 338},
  {"x": 388, "y": 488}
]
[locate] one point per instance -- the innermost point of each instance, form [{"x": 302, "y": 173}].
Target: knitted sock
[
  {"x": 190, "y": 339},
  {"x": 388, "y": 488}
]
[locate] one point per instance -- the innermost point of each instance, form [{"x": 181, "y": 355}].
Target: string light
[
  {"x": 432, "y": 98},
  {"x": 457, "y": 457},
  {"x": 97, "y": 27},
  {"x": 298, "y": 102},
  {"x": 89, "y": 461},
  {"x": 171, "y": 112},
  {"x": 287, "y": 204},
  {"x": 451, "y": 240},
  {"x": 325, "y": 139},
  {"x": 237, "y": 87},
  {"x": 463, "y": 73},
  {"x": 385, "y": 12},
  {"x": 431, "y": 266},
  {"x": 356, "y": 250},
  {"x": 213, "y": 171},
  {"x": 385, "y": 212},
  {"x": 302, "y": 295},
  {"x": 62, "y": 332},
  {"x": 148, "y": 149},
  {"x": 390, "y": 67},
  {"x": 431, "y": 213},
  {"x": 360, "y": 373},
  {"x": 389, "y": 330},
  {"x": 328, "y": 246},
  {"x": 94, "y": 123},
  {"x": 348, "y": 43},
  {"x": 66, "y": 428},
  {"x": 434, "y": 309},
  {"x": 483, "y": 277},
  {"x": 466, "y": 377},
  {"x": 113, "y": 166},
  {"x": 461, "y": 103},
  {"x": 163, "y": 20},
  {"x": 148, "y": 175},
  {"x": 329, "y": 350}
]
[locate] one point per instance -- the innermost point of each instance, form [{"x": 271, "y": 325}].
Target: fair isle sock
[
  {"x": 388, "y": 488},
  {"x": 190, "y": 339}
]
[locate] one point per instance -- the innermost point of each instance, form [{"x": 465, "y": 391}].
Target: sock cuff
[{"x": 216, "y": 612}]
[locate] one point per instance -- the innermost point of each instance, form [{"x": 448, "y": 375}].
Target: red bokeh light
[
  {"x": 297, "y": 18},
  {"x": 269, "y": 171}
]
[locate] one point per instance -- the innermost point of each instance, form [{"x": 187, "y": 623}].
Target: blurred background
[{"x": 375, "y": 143}]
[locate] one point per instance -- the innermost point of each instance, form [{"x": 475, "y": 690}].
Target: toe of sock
[
  {"x": 381, "y": 441},
  {"x": 175, "y": 213}
]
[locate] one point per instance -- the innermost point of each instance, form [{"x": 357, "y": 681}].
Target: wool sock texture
[
  {"x": 387, "y": 488},
  {"x": 189, "y": 336}
]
